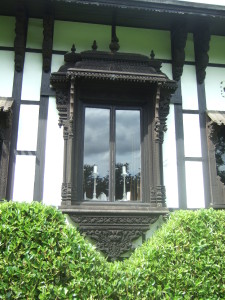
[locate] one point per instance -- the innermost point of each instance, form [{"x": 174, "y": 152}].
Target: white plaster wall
[
  {"x": 142, "y": 41},
  {"x": 54, "y": 158},
  {"x": 28, "y": 127},
  {"x": 214, "y": 88},
  {"x": 132, "y": 40},
  {"x": 167, "y": 69},
  {"x": 57, "y": 62},
  {"x": 35, "y": 33},
  {"x": 189, "y": 88},
  {"x": 7, "y": 31},
  {"x": 6, "y": 73},
  {"x": 32, "y": 77},
  {"x": 192, "y": 139},
  {"x": 80, "y": 34},
  {"x": 24, "y": 178},
  {"x": 189, "y": 48},
  {"x": 7, "y": 34},
  {"x": 170, "y": 162},
  {"x": 194, "y": 184},
  {"x": 216, "y": 49}
]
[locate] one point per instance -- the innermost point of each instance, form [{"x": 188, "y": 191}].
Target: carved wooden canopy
[{"x": 116, "y": 78}]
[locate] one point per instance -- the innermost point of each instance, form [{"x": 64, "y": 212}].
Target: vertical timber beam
[
  {"x": 48, "y": 27},
  {"x": 179, "y": 132},
  {"x": 20, "y": 48},
  {"x": 201, "y": 46},
  {"x": 204, "y": 143}
]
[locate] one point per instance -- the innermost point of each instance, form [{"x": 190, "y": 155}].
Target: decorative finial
[
  {"x": 94, "y": 46},
  {"x": 114, "y": 45},
  {"x": 152, "y": 54},
  {"x": 73, "y": 49}
]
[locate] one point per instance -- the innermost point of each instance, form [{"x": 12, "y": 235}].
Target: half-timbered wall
[{"x": 36, "y": 168}]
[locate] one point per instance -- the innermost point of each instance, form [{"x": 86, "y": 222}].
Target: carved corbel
[
  {"x": 20, "y": 38},
  {"x": 162, "y": 108},
  {"x": 62, "y": 105},
  {"x": 178, "y": 43},
  {"x": 201, "y": 45},
  {"x": 112, "y": 234},
  {"x": 48, "y": 25}
]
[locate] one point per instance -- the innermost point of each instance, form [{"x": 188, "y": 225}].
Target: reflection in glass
[
  {"x": 96, "y": 154},
  {"x": 128, "y": 156}
]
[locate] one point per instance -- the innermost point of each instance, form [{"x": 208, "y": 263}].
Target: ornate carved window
[
  {"x": 216, "y": 151},
  {"x": 113, "y": 108}
]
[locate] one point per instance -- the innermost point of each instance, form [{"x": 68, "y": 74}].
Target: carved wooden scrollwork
[
  {"x": 178, "y": 43},
  {"x": 158, "y": 196},
  {"x": 113, "y": 235},
  {"x": 201, "y": 44},
  {"x": 162, "y": 108},
  {"x": 20, "y": 38},
  {"x": 62, "y": 105},
  {"x": 92, "y": 76}
]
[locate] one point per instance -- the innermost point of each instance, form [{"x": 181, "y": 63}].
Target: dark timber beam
[
  {"x": 201, "y": 46},
  {"x": 178, "y": 43},
  {"x": 20, "y": 45}
]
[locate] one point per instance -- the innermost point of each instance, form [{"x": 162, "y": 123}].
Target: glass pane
[
  {"x": 96, "y": 154},
  {"x": 128, "y": 156}
]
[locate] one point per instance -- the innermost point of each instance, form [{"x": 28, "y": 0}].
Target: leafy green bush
[
  {"x": 184, "y": 260},
  {"x": 41, "y": 257}
]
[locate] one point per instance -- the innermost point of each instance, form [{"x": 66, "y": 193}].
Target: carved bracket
[
  {"x": 112, "y": 234},
  {"x": 178, "y": 43},
  {"x": 48, "y": 24},
  {"x": 162, "y": 108},
  {"x": 62, "y": 105},
  {"x": 20, "y": 38},
  {"x": 201, "y": 42}
]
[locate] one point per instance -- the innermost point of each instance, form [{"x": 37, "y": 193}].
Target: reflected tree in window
[{"x": 132, "y": 183}]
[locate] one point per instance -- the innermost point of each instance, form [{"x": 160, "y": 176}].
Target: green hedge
[{"x": 41, "y": 257}]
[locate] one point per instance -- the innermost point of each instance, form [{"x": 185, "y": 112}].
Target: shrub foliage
[{"x": 41, "y": 257}]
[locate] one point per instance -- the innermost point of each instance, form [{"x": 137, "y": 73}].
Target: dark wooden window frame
[
  {"x": 113, "y": 107},
  {"x": 217, "y": 187},
  {"x": 6, "y": 105},
  {"x": 102, "y": 78},
  {"x": 135, "y": 99}
]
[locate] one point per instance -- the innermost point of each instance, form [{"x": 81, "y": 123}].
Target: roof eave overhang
[{"x": 131, "y": 13}]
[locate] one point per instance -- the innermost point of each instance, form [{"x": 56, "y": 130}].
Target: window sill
[{"x": 129, "y": 207}]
